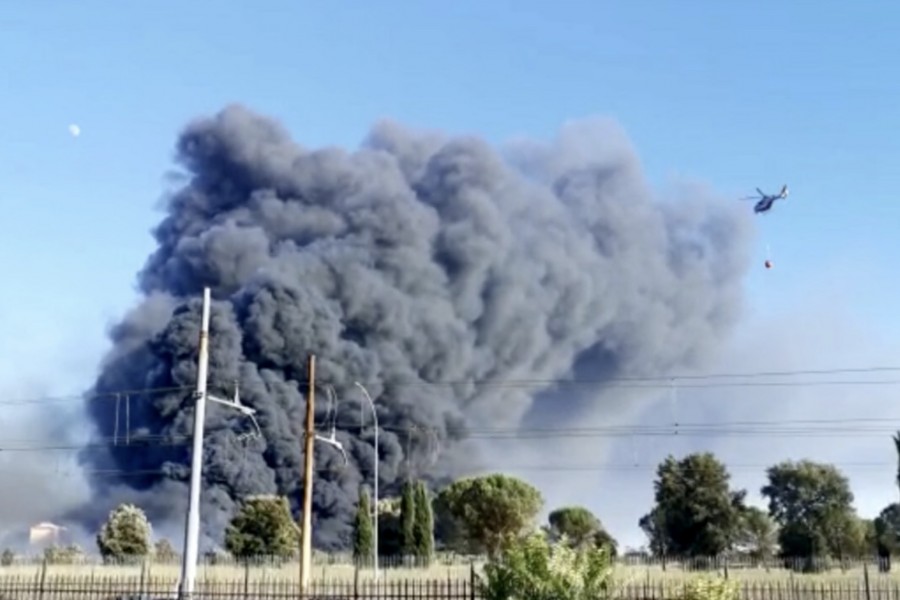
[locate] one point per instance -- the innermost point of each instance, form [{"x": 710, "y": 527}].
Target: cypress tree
[
  {"x": 897, "y": 446},
  {"x": 424, "y": 526},
  {"x": 408, "y": 520},
  {"x": 362, "y": 529}
]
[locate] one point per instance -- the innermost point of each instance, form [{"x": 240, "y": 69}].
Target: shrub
[
  {"x": 709, "y": 588},
  {"x": 534, "y": 569},
  {"x": 126, "y": 534}
]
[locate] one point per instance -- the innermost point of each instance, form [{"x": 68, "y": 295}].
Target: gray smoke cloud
[
  {"x": 41, "y": 429},
  {"x": 422, "y": 265}
]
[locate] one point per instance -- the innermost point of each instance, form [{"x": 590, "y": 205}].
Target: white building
[{"x": 46, "y": 534}]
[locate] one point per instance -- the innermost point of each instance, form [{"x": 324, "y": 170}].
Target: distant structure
[{"x": 46, "y": 534}]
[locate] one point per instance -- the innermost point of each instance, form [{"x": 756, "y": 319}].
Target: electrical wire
[
  {"x": 561, "y": 467},
  {"x": 666, "y": 379},
  {"x": 654, "y": 382},
  {"x": 112, "y": 395},
  {"x": 835, "y": 427},
  {"x": 765, "y": 428},
  {"x": 831, "y": 428}
]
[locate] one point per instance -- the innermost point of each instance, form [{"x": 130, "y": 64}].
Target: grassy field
[
  {"x": 286, "y": 572},
  {"x": 444, "y": 582},
  {"x": 632, "y": 574}
]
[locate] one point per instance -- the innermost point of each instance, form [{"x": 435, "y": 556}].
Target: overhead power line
[
  {"x": 831, "y": 428},
  {"x": 691, "y": 381},
  {"x": 637, "y": 467},
  {"x": 138, "y": 393},
  {"x": 666, "y": 379}
]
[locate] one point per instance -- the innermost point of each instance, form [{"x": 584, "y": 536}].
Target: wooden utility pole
[{"x": 306, "y": 532}]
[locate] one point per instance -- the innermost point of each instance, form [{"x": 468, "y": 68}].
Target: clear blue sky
[{"x": 738, "y": 94}]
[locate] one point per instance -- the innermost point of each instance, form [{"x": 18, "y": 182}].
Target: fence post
[
  {"x": 43, "y": 578},
  {"x": 472, "y": 580},
  {"x": 356, "y": 582},
  {"x": 143, "y": 583},
  {"x": 866, "y": 578}
]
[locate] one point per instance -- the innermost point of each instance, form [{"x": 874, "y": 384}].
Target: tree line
[
  {"x": 474, "y": 515},
  {"x": 696, "y": 514},
  {"x": 810, "y": 515}
]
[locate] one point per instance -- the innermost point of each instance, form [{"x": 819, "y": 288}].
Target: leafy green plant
[
  {"x": 534, "y": 569},
  {"x": 63, "y": 555},
  {"x": 125, "y": 535},
  {"x": 709, "y": 588},
  {"x": 363, "y": 538},
  {"x": 262, "y": 527}
]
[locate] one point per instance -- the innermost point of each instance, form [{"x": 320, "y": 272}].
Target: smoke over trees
[{"x": 418, "y": 265}]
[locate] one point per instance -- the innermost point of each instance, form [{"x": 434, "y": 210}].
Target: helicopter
[{"x": 765, "y": 201}]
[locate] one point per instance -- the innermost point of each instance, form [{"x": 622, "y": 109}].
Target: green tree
[
  {"x": 424, "y": 526},
  {"x": 887, "y": 529},
  {"x": 897, "y": 449},
  {"x": 63, "y": 555},
  {"x": 389, "y": 538},
  {"x": 847, "y": 536},
  {"x": 654, "y": 527},
  {"x": 756, "y": 537},
  {"x": 126, "y": 534},
  {"x": 362, "y": 529},
  {"x": 576, "y": 523},
  {"x": 7, "y": 558},
  {"x": 535, "y": 569},
  {"x": 870, "y": 538},
  {"x": 887, "y": 524},
  {"x": 580, "y": 527},
  {"x": 408, "y": 519},
  {"x": 603, "y": 540},
  {"x": 262, "y": 527},
  {"x": 164, "y": 552},
  {"x": 482, "y": 514},
  {"x": 696, "y": 512},
  {"x": 887, "y": 535},
  {"x": 813, "y": 506}
]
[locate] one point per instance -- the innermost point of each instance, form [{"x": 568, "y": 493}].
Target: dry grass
[
  {"x": 758, "y": 575},
  {"x": 651, "y": 575},
  {"x": 268, "y": 573}
]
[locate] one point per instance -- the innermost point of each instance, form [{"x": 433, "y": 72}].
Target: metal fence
[
  {"x": 115, "y": 588},
  {"x": 331, "y": 563},
  {"x": 781, "y": 590}
]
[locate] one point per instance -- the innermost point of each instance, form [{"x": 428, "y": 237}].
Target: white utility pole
[
  {"x": 375, "y": 416},
  {"x": 308, "y": 460},
  {"x": 192, "y": 526}
]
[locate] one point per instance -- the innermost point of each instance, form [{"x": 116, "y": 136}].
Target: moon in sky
[{"x": 75, "y": 130}]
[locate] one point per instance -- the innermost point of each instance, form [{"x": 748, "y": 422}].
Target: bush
[
  {"x": 363, "y": 539},
  {"x": 63, "y": 555},
  {"x": 164, "y": 552},
  {"x": 263, "y": 527},
  {"x": 535, "y": 569},
  {"x": 709, "y": 588},
  {"x": 126, "y": 535}
]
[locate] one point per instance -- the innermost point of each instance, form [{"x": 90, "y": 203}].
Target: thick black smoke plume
[{"x": 417, "y": 265}]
